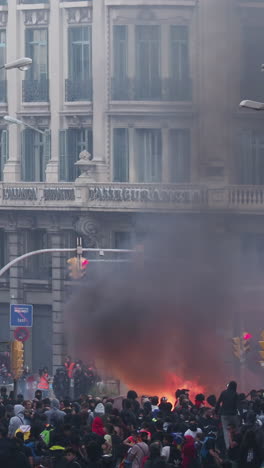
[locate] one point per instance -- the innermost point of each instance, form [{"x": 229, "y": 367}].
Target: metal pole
[{"x": 43, "y": 251}]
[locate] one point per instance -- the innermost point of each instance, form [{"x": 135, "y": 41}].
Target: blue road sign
[{"x": 21, "y": 315}]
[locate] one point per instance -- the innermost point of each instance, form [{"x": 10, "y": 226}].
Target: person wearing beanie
[{"x": 99, "y": 410}]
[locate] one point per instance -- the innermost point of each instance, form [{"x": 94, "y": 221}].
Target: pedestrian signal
[{"x": 17, "y": 358}]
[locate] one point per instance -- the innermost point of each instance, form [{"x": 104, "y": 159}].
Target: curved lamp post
[{"x": 22, "y": 64}]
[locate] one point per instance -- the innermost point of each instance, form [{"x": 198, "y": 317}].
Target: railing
[
  {"x": 159, "y": 90},
  {"x": 116, "y": 196},
  {"x": 36, "y": 90},
  {"x": 246, "y": 196},
  {"x": 78, "y": 90}
]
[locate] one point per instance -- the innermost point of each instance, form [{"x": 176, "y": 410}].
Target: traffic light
[
  {"x": 77, "y": 267},
  {"x": 17, "y": 359},
  {"x": 245, "y": 342},
  {"x": 237, "y": 347},
  {"x": 261, "y": 352}
]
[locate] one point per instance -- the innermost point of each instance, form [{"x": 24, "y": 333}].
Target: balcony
[
  {"x": 36, "y": 90},
  {"x": 132, "y": 197},
  {"x": 161, "y": 90},
  {"x": 3, "y": 91},
  {"x": 78, "y": 90}
]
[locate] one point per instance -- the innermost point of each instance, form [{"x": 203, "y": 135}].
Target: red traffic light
[{"x": 247, "y": 336}]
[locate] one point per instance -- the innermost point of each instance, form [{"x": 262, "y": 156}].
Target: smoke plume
[{"x": 152, "y": 319}]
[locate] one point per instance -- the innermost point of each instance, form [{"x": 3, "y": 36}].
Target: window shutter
[
  {"x": 63, "y": 155},
  {"x": 245, "y": 158},
  {"x": 47, "y": 147},
  {"x": 4, "y": 149},
  {"x": 23, "y": 154},
  {"x": 89, "y": 141},
  {"x": 121, "y": 155},
  {"x": 180, "y": 155}
]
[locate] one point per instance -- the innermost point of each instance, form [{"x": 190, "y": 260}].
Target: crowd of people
[
  {"x": 73, "y": 378},
  {"x": 146, "y": 432}
]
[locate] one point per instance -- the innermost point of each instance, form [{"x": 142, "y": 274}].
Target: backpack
[
  {"x": 204, "y": 450},
  {"x": 45, "y": 435}
]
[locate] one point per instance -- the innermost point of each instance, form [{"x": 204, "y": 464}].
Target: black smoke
[{"x": 144, "y": 319}]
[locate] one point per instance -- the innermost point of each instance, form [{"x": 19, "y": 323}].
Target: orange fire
[{"x": 167, "y": 387}]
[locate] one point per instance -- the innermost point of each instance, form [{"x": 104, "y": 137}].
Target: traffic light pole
[{"x": 79, "y": 250}]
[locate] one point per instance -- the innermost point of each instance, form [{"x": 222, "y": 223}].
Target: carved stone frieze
[
  {"x": 88, "y": 228},
  {"x": 78, "y": 121},
  {"x": 36, "y": 17},
  {"x": 79, "y": 15}
]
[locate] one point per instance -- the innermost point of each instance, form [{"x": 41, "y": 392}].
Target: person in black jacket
[{"x": 227, "y": 407}]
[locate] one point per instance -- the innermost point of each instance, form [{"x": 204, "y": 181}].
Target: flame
[{"x": 167, "y": 387}]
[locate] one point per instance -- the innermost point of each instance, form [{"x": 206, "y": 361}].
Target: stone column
[
  {"x": 165, "y": 156},
  {"x": 57, "y": 302},
  {"x": 55, "y": 89},
  {"x": 132, "y": 156},
  {"x": 100, "y": 72},
  {"x": 12, "y": 169}
]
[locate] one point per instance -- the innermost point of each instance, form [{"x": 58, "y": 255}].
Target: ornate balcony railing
[
  {"x": 246, "y": 196},
  {"x": 36, "y": 90},
  {"x": 78, "y": 90},
  {"x": 139, "y": 197},
  {"x": 159, "y": 90}
]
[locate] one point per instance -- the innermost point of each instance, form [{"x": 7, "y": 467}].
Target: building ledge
[
  {"x": 81, "y": 3},
  {"x": 33, "y": 6},
  {"x": 153, "y": 3},
  {"x": 250, "y": 4}
]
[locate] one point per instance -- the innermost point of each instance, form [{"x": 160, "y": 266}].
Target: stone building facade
[{"x": 144, "y": 96}]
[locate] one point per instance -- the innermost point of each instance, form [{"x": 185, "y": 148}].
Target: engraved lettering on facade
[
  {"x": 59, "y": 194},
  {"x": 144, "y": 195},
  {"x": 19, "y": 193}
]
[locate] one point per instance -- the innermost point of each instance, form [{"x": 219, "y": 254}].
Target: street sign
[
  {"x": 21, "y": 315},
  {"x": 21, "y": 334}
]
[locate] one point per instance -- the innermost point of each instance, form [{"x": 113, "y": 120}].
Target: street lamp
[
  {"x": 254, "y": 105},
  {"x": 13, "y": 120},
  {"x": 22, "y": 64}
]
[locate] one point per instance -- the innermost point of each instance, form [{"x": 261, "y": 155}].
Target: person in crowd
[
  {"x": 227, "y": 406},
  {"x": 44, "y": 382},
  {"x": 17, "y": 420},
  {"x": 234, "y": 444},
  {"x": 61, "y": 383},
  {"x": 71, "y": 457},
  {"x": 188, "y": 452},
  {"x": 55, "y": 416},
  {"x": 193, "y": 429},
  {"x": 139, "y": 451},
  {"x": 251, "y": 453}
]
